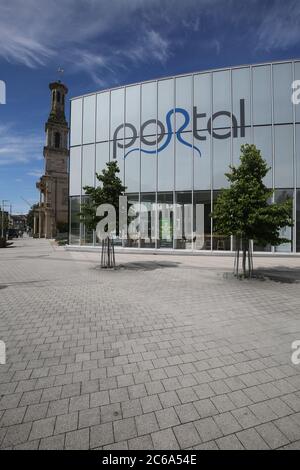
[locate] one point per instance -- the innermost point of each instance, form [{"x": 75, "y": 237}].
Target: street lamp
[{"x": 2, "y": 218}]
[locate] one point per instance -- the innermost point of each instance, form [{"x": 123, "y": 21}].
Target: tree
[
  {"x": 245, "y": 211},
  {"x": 109, "y": 191}
]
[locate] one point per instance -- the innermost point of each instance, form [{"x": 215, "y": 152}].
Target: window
[
  {"x": 57, "y": 140},
  {"x": 58, "y": 96}
]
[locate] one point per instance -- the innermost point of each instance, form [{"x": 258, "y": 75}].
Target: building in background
[
  {"x": 52, "y": 215},
  {"x": 174, "y": 140},
  {"x": 18, "y": 222}
]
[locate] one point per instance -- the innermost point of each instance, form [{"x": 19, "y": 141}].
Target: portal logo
[
  {"x": 2, "y": 92},
  {"x": 166, "y": 135}
]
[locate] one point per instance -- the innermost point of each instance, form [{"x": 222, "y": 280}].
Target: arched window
[
  {"x": 57, "y": 140},
  {"x": 58, "y": 96}
]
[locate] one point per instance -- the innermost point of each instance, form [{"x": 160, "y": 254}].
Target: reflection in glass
[
  {"x": 263, "y": 141},
  {"x": 282, "y": 80},
  {"x": 103, "y": 113},
  {"x": 202, "y": 220},
  {"x": 183, "y": 237},
  {"x": 165, "y": 220},
  {"x": 75, "y": 171},
  {"x": 74, "y": 220},
  {"x": 148, "y": 200},
  {"x": 89, "y": 108},
  {"x": 282, "y": 195},
  {"x": 283, "y": 156},
  {"x": 261, "y": 83},
  {"x": 219, "y": 241},
  {"x": 76, "y": 122},
  {"x": 88, "y": 165}
]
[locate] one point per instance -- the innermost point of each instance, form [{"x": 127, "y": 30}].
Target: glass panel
[
  {"x": 241, "y": 91},
  {"x": 89, "y": 108},
  {"x": 119, "y": 156},
  {"x": 131, "y": 242},
  {"x": 76, "y": 122},
  {"x": 263, "y": 248},
  {"x": 282, "y": 80},
  {"x": 86, "y": 235},
  {"x": 202, "y": 220},
  {"x": 184, "y": 162},
  {"x": 74, "y": 220},
  {"x": 298, "y": 221},
  {"x": 221, "y": 161},
  {"x": 148, "y": 200},
  {"x": 148, "y": 172},
  {"x": 102, "y": 157},
  {"x": 283, "y": 156},
  {"x": 75, "y": 171},
  {"x": 133, "y": 105},
  {"x": 287, "y": 232},
  {"x": 165, "y": 220},
  {"x": 117, "y": 114},
  {"x": 183, "y": 221},
  {"x": 297, "y": 77},
  {"x": 262, "y": 95},
  {"x": 263, "y": 141},
  {"x": 297, "y": 152},
  {"x": 219, "y": 241},
  {"x": 183, "y": 87},
  {"x": 88, "y": 166},
  {"x": 102, "y": 131},
  {"x": 202, "y": 164},
  {"x": 236, "y": 145},
  {"x": 202, "y": 100},
  {"x": 166, "y": 168},
  {"x": 132, "y": 167},
  {"x": 221, "y": 99},
  {"x": 166, "y": 102},
  {"x": 149, "y": 107}
]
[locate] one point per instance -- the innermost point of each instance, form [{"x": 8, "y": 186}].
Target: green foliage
[
  {"x": 108, "y": 192},
  {"x": 244, "y": 209}
]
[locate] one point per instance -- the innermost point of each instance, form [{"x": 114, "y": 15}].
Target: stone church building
[{"x": 51, "y": 216}]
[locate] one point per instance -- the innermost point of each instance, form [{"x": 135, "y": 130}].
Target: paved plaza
[{"x": 166, "y": 352}]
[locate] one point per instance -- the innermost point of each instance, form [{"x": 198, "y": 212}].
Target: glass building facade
[{"x": 174, "y": 139}]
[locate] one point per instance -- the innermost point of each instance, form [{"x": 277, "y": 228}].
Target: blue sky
[{"x": 105, "y": 43}]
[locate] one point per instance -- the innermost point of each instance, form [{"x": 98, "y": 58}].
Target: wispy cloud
[{"x": 16, "y": 147}]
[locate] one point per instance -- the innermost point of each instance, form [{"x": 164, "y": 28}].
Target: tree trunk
[{"x": 108, "y": 253}]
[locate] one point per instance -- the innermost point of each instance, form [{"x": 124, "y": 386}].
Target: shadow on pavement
[
  {"x": 143, "y": 266},
  {"x": 280, "y": 274}
]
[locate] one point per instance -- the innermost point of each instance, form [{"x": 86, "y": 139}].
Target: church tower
[{"x": 53, "y": 185}]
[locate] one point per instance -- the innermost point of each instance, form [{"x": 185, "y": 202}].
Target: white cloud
[
  {"x": 19, "y": 148},
  {"x": 37, "y": 173}
]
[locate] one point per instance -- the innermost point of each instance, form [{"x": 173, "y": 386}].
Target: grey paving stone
[
  {"x": 205, "y": 408},
  {"x": 272, "y": 436},
  {"x": 227, "y": 423},
  {"x": 35, "y": 412},
  {"x": 89, "y": 417},
  {"x": 131, "y": 408},
  {"x": 187, "y": 435},
  {"x": 164, "y": 440},
  {"x": 187, "y": 412},
  {"x": 150, "y": 403},
  {"x": 66, "y": 423},
  {"x": 13, "y": 416},
  {"x": 110, "y": 412},
  {"x": 77, "y": 440},
  {"x": 168, "y": 399},
  {"x": 124, "y": 429},
  {"x": 82, "y": 402},
  {"x": 207, "y": 429},
  {"x": 141, "y": 443},
  {"x": 99, "y": 398},
  {"x": 101, "y": 435},
  {"x": 17, "y": 434},
  {"x": 146, "y": 423},
  {"x": 42, "y": 428},
  {"x": 53, "y": 443},
  {"x": 251, "y": 440},
  {"x": 167, "y": 418},
  {"x": 229, "y": 443}
]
